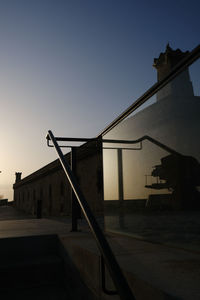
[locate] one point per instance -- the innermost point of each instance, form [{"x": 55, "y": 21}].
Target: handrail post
[
  {"x": 120, "y": 175},
  {"x": 74, "y": 203}
]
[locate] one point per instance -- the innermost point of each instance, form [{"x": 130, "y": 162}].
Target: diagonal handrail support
[{"x": 118, "y": 278}]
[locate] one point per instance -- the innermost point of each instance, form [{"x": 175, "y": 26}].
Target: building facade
[{"x": 48, "y": 190}]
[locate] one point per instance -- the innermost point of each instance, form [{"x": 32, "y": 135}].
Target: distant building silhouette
[{"x": 47, "y": 192}]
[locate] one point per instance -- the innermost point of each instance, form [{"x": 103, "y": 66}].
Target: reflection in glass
[{"x": 152, "y": 188}]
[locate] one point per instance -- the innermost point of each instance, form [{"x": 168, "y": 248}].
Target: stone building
[{"x": 48, "y": 188}]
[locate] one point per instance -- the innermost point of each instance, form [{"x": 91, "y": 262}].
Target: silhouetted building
[{"x": 47, "y": 191}]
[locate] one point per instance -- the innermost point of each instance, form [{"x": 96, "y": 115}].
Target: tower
[{"x": 181, "y": 85}]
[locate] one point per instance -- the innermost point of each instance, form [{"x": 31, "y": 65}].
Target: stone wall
[{"x": 49, "y": 186}]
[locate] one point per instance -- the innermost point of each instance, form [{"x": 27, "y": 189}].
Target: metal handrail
[
  {"x": 111, "y": 141},
  {"x": 113, "y": 267},
  {"x": 110, "y": 260}
]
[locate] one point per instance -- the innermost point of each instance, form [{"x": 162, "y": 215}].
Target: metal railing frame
[
  {"x": 111, "y": 141},
  {"x": 106, "y": 252},
  {"x": 118, "y": 278}
]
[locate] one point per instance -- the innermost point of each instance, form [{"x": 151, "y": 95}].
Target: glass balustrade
[{"x": 152, "y": 187}]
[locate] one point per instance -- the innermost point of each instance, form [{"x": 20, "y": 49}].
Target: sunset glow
[{"x": 73, "y": 66}]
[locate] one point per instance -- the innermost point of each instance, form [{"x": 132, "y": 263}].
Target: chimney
[{"x": 18, "y": 176}]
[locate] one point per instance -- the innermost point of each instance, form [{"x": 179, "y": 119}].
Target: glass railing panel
[{"x": 152, "y": 187}]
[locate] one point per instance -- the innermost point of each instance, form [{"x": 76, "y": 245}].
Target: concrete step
[
  {"x": 30, "y": 261},
  {"x": 38, "y": 267},
  {"x": 48, "y": 292},
  {"x": 31, "y": 272},
  {"x": 28, "y": 246}
]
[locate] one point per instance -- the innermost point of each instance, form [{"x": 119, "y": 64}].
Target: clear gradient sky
[{"x": 73, "y": 66}]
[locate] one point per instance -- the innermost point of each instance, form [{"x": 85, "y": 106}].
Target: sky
[{"x": 73, "y": 66}]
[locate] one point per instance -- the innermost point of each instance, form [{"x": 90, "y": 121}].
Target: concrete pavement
[{"x": 153, "y": 271}]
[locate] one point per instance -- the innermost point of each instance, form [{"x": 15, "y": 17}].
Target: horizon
[{"x": 73, "y": 67}]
